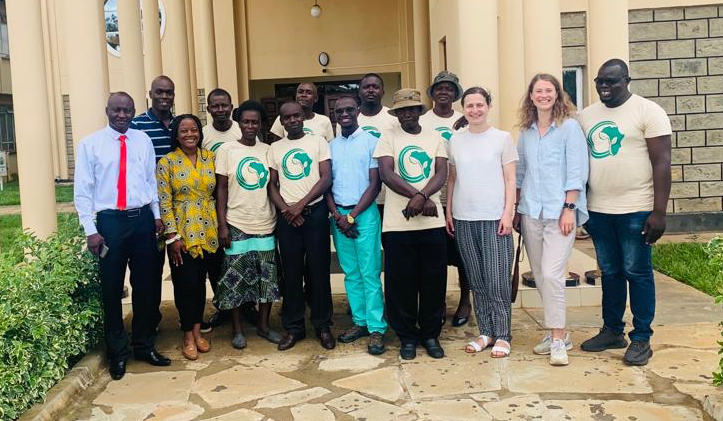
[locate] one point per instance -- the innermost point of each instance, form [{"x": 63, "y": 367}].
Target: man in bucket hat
[
  {"x": 445, "y": 91},
  {"x": 413, "y": 166}
]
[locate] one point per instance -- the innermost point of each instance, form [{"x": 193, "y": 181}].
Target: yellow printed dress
[{"x": 185, "y": 194}]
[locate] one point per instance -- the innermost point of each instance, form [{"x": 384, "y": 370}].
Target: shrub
[
  {"x": 50, "y": 313},
  {"x": 715, "y": 252}
]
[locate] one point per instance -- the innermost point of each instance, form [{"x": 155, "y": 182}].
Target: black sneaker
[
  {"x": 638, "y": 353},
  {"x": 606, "y": 339}
]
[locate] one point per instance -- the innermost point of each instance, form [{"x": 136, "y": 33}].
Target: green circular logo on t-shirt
[
  {"x": 216, "y": 146},
  {"x": 296, "y": 164},
  {"x": 414, "y": 164},
  {"x": 308, "y": 131},
  {"x": 604, "y": 139},
  {"x": 372, "y": 131},
  {"x": 251, "y": 173},
  {"x": 445, "y": 132}
]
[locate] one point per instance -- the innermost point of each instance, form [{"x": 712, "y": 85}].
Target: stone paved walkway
[{"x": 310, "y": 383}]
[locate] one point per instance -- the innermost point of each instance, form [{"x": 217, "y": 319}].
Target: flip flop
[
  {"x": 505, "y": 351},
  {"x": 476, "y": 346}
]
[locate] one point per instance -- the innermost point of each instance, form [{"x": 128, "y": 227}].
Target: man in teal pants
[{"x": 356, "y": 226}]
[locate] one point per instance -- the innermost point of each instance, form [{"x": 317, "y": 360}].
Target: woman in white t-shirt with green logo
[{"x": 480, "y": 208}]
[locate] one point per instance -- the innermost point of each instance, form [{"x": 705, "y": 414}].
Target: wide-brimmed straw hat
[
  {"x": 406, "y": 98},
  {"x": 445, "y": 76}
]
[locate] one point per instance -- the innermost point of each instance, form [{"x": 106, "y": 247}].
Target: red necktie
[{"x": 121, "y": 203}]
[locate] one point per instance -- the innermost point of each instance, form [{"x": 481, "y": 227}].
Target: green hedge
[{"x": 50, "y": 314}]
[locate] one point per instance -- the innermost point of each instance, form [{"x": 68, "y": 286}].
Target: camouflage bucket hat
[
  {"x": 406, "y": 98},
  {"x": 445, "y": 76}
]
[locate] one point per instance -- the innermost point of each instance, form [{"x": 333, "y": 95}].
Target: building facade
[{"x": 260, "y": 49}]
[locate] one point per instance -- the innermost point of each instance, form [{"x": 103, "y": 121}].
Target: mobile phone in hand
[
  {"x": 406, "y": 215},
  {"x": 103, "y": 250}
]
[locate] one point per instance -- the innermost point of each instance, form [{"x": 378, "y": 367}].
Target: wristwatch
[
  {"x": 350, "y": 219},
  {"x": 570, "y": 206}
]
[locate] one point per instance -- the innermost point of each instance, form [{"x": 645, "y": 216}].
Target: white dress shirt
[{"x": 96, "y": 174}]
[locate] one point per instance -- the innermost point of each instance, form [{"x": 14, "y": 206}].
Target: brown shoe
[
  {"x": 376, "y": 344},
  {"x": 327, "y": 339},
  {"x": 288, "y": 341},
  {"x": 353, "y": 333},
  {"x": 203, "y": 345},
  {"x": 190, "y": 352}
]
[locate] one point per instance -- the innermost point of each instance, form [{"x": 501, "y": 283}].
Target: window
[
  {"x": 7, "y": 129},
  {"x": 112, "y": 38},
  {"x": 572, "y": 84},
  {"x": 443, "y": 52},
  {"x": 4, "y": 49}
]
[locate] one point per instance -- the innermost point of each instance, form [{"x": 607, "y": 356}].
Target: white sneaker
[
  {"x": 558, "y": 353},
  {"x": 543, "y": 348}
]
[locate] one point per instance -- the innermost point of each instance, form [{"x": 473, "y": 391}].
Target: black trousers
[
  {"x": 306, "y": 253},
  {"x": 415, "y": 282},
  {"x": 189, "y": 285},
  {"x": 131, "y": 240}
]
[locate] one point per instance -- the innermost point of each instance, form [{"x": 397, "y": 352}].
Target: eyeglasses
[
  {"x": 608, "y": 81},
  {"x": 341, "y": 111}
]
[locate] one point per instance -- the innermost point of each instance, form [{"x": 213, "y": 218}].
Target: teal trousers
[{"x": 361, "y": 260}]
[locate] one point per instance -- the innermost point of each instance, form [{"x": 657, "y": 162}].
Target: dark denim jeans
[{"x": 623, "y": 256}]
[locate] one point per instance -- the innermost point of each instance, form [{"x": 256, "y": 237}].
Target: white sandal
[
  {"x": 476, "y": 346},
  {"x": 505, "y": 351}
]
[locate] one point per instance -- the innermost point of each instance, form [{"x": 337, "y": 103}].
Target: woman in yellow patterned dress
[{"x": 186, "y": 184}]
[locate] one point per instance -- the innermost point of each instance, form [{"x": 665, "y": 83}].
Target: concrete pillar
[
  {"x": 225, "y": 36},
  {"x": 131, "y": 45},
  {"x": 478, "y": 34},
  {"x": 32, "y": 123},
  {"x": 242, "y": 50},
  {"x": 88, "y": 90},
  {"x": 543, "y": 38},
  {"x": 178, "y": 69},
  {"x": 606, "y": 39},
  {"x": 203, "y": 35},
  {"x": 512, "y": 59},
  {"x": 152, "y": 58},
  {"x": 421, "y": 47},
  {"x": 54, "y": 135},
  {"x": 193, "y": 85}
]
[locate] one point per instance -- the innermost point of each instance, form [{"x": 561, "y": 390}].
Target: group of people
[{"x": 423, "y": 188}]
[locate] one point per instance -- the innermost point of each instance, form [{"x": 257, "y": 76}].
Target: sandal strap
[{"x": 476, "y": 346}]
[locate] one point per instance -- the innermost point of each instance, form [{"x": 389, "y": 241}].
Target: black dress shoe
[
  {"x": 444, "y": 319},
  {"x": 288, "y": 341},
  {"x": 153, "y": 358},
  {"x": 434, "y": 349},
  {"x": 327, "y": 339},
  {"x": 117, "y": 369},
  {"x": 459, "y": 321},
  {"x": 408, "y": 351}
]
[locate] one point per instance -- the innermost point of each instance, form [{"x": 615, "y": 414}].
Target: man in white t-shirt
[
  {"x": 300, "y": 174},
  {"x": 222, "y": 128},
  {"x": 628, "y": 139},
  {"x": 413, "y": 166},
  {"x": 444, "y": 91},
  {"x": 316, "y": 124}
]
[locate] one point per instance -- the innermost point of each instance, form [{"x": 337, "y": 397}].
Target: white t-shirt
[
  {"x": 444, "y": 126},
  {"x": 319, "y": 125},
  {"x": 297, "y": 162},
  {"x": 414, "y": 161},
  {"x": 479, "y": 189},
  {"x": 249, "y": 207},
  {"x": 213, "y": 139},
  {"x": 621, "y": 174}
]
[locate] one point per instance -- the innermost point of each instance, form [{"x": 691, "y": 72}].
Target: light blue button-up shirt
[
  {"x": 550, "y": 166},
  {"x": 351, "y": 160}
]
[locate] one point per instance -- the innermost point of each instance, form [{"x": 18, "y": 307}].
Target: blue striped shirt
[{"x": 155, "y": 129}]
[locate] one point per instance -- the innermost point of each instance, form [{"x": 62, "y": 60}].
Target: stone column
[
  {"x": 32, "y": 121},
  {"x": 193, "y": 85},
  {"x": 86, "y": 50},
  {"x": 225, "y": 36},
  {"x": 178, "y": 69},
  {"x": 607, "y": 29},
  {"x": 131, "y": 45},
  {"x": 421, "y": 47},
  {"x": 152, "y": 58},
  {"x": 478, "y": 62},
  {"x": 543, "y": 37},
  {"x": 242, "y": 53},
  {"x": 512, "y": 60},
  {"x": 205, "y": 45}
]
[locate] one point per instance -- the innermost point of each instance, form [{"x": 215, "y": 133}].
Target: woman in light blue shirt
[{"x": 551, "y": 178}]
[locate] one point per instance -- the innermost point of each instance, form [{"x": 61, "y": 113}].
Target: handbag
[{"x": 516, "y": 270}]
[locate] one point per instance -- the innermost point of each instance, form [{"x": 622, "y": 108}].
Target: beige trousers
[{"x": 548, "y": 250}]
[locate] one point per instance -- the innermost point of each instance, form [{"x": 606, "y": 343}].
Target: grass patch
[
  {"x": 689, "y": 264},
  {"x": 11, "y": 194},
  {"x": 11, "y": 227}
]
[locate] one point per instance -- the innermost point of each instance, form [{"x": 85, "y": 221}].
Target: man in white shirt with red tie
[{"x": 117, "y": 202}]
